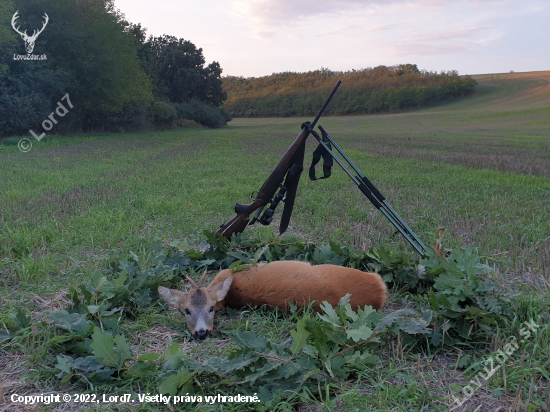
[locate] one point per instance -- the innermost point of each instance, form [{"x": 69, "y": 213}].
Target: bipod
[{"x": 371, "y": 192}]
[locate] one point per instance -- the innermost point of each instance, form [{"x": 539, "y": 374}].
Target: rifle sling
[
  {"x": 327, "y": 161},
  {"x": 291, "y": 183}
]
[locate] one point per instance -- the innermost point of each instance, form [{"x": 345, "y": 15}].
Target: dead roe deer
[{"x": 275, "y": 284}]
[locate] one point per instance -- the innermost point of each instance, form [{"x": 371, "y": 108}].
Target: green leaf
[
  {"x": 336, "y": 248},
  {"x": 64, "y": 363},
  {"x": 20, "y": 319},
  {"x": 310, "y": 351},
  {"x": 103, "y": 346},
  {"x": 148, "y": 357},
  {"x": 173, "y": 355},
  {"x": 336, "y": 366},
  {"x": 249, "y": 340},
  {"x": 344, "y": 300},
  {"x": 141, "y": 369},
  {"x": 143, "y": 298},
  {"x": 72, "y": 322},
  {"x": 415, "y": 325},
  {"x": 497, "y": 393},
  {"x": 238, "y": 265},
  {"x": 432, "y": 299},
  {"x": 350, "y": 313},
  {"x": 289, "y": 369},
  {"x": 436, "y": 338},
  {"x": 300, "y": 336},
  {"x": 360, "y": 334},
  {"x": 194, "y": 254},
  {"x": 92, "y": 309},
  {"x": 171, "y": 385},
  {"x": 451, "y": 284},
  {"x": 322, "y": 254},
  {"x": 87, "y": 364},
  {"x": 330, "y": 314},
  {"x": 389, "y": 320},
  {"x": 269, "y": 366},
  {"x": 123, "y": 349}
]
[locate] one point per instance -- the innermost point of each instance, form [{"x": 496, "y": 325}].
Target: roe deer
[{"x": 274, "y": 284}]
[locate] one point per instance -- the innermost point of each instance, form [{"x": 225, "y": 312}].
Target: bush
[
  {"x": 27, "y": 97},
  {"x": 186, "y": 124},
  {"x": 164, "y": 113},
  {"x": 202, "y": 113}
]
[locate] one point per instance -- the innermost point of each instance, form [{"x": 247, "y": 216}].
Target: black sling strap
[
  {"x": 291, "y": 184},
  {"x": 327, "y": 160}
]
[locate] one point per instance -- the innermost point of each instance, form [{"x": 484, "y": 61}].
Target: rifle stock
[{"x": 235, "y": 225}]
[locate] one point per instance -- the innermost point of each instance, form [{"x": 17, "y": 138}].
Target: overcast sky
[{"x": 260, "y": 37}]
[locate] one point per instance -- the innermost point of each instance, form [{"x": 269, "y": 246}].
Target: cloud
[
  {"x": 356, "y": 30},
  {"x": 445, "y": 35},
  {"x": 444, "y": 42},
  {"x": 277, "y": 13}
]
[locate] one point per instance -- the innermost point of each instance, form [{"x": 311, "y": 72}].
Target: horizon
[{"x": 256, "y": 38}]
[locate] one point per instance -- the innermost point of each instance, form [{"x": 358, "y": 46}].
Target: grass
[{"x": 479, "y": 167}]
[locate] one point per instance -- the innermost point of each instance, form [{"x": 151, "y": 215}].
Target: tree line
[
  {"x": 372, "y": 90},
  {"x": 118, "y": 79}
]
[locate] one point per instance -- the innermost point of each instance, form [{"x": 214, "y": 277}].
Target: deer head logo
[{"x": 29, "y": 40}]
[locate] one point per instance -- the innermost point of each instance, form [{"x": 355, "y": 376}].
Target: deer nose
[{"x": 201, "y": 334}]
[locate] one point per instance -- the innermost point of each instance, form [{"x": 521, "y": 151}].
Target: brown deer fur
[
  {"x": 279, "y": 283},
  {"x": 275, "y": 284}
]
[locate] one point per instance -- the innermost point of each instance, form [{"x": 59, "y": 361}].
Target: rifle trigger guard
[{"x": 254, "y": 196}]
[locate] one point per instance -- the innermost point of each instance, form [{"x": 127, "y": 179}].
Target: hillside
[{"x": 366, "y": 91}]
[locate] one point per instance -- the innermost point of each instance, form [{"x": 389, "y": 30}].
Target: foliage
[
  {"x": 164, "y": 113},
  {"x": 27, "y": 97},
  {"x": 177, "y": 67},
  {"x": 202, "y": 113},
  {"x": 371, "y": 90},
  {"x": 7, "y": 35},
  {"x": 323, "y": 348},
  {"x": 454, "y": 304},
  {"x": 116, "y": 78}
]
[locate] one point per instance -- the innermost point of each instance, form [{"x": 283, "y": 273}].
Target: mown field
[{"x": 479, "y": 167}]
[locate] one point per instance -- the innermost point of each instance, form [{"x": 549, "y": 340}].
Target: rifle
[{"x": 291, "y": 166}]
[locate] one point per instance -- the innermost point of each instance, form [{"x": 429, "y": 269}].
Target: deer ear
[
  {"x": 172, "y": 296},
  {"x": 219, "y": 291}
]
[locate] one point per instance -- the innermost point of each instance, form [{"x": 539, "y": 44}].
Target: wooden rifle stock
[{"x": 266, "y": 193}]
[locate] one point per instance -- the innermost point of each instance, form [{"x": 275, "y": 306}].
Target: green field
[{"x": 479, "y": 167}]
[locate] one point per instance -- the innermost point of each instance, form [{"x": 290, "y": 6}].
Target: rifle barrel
[{"x": 326, "y": 104}]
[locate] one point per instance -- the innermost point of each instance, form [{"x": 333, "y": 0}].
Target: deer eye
[
  {"x": 187, "y": 312},
  {"x": 211, "y": 308}
]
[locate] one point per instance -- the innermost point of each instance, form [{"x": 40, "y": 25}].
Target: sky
[{"x": 253, "y": 38}]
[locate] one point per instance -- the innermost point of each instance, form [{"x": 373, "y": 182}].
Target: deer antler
[
  {"x": 202, "y": 278},
  {"x": 15, "y": 16},
  {"x": 192, "y": 282},
  {"x": 35, "y": 34}
]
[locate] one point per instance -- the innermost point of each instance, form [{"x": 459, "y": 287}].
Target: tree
[
  {"x": 86, "y": 39},
  {"x": 177, "y": 67}
]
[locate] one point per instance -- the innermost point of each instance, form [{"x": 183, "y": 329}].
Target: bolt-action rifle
[
  {"x": 284, "y": 178},
  {"x": 286, "y": 175}
]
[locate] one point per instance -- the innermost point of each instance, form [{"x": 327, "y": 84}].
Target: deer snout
[{"x": 201, "y": 334}]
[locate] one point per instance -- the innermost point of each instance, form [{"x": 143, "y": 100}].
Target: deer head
[
  {"x": 29, "y": 40},
  {"x": 197, "y": 304}
]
